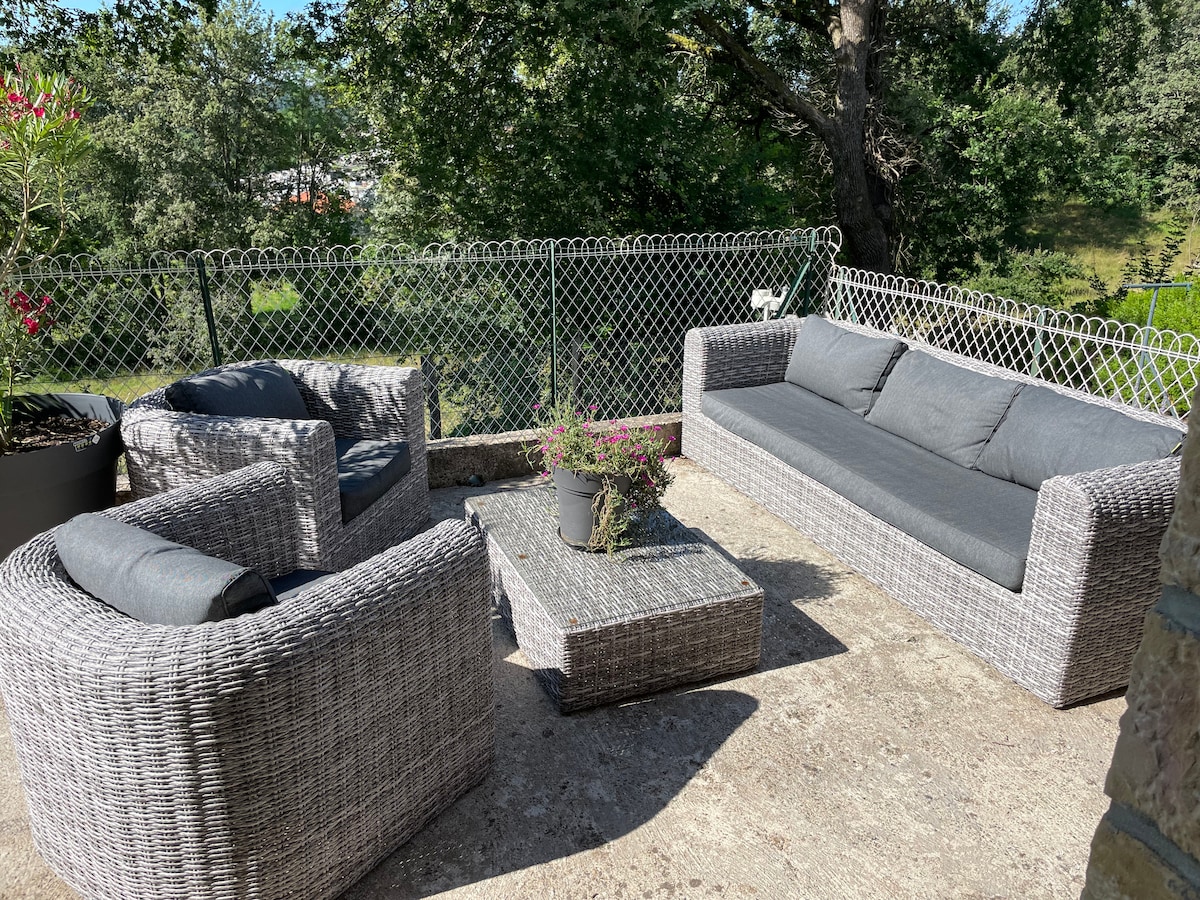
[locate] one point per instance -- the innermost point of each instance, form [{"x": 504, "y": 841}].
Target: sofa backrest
[{"x": 1009, "y": 424}]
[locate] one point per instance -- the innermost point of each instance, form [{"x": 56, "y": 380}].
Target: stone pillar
[{"x": 1148, "y": 843}]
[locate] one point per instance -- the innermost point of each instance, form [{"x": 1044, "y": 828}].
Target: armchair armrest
[
  {"x": 166, "y": 450},
  {"x": 729, "y": 356},
  {"x": 247, "y": 517},
  {"x": 169, "y": 449}
]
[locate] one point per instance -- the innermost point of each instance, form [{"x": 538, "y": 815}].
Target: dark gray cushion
[
  {"x": 1046, "y": 433},
  {"x": 261, "y": 390},
  {"x": 942, "y": 407},
  {"x": 152, "y": 579},
  {"x": 289, "y": 585},
  {"x": 367, "y": 470},
  {"x": 840, "y": 365},
  {"x": 983, "y": 523}
]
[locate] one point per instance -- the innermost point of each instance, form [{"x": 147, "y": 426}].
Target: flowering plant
[
  {"x": 40, "y": 143},
  {"x": 574, "y": 440}
]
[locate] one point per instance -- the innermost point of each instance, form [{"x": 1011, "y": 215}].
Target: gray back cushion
[
  {"x": 942, "y": 407},
  {"x": 840, "y": 365},
  {"x": 152, "y": 579},
  {"x": 367, "y": 470},
  {"x": 261, "y": 390},
  {"x": 1047, "y": 433}
]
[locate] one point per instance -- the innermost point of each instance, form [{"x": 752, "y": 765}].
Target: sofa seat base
[
  {"x": 981, "y": 522},
  {"x": 1041, "y": 647}
]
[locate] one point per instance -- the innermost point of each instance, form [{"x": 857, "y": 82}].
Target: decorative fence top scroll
[{"x": 1146, "y": 367}]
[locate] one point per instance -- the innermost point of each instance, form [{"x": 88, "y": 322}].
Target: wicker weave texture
[
  {"x": 598, "y": 629},
  {"x": 167, "y": 449},
  {"x": 279, "y": 754},
  {"x": 1092, "y": 571}
]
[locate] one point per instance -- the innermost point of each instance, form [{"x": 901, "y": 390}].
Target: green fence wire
[{"x": 495, "y": 327}]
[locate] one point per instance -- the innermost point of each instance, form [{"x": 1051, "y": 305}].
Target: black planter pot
[
  {"x": 577, "y": 519},
  {"x": 44, "y": 488}
]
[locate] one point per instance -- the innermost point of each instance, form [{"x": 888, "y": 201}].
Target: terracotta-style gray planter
[
  {"x": 577, "y": 520},
  {"x": 44, "y": 488}
]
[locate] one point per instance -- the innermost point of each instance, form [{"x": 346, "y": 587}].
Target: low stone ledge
[{"x": 490, "y": 457}]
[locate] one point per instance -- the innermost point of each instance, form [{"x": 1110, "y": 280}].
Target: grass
[{"x": 1103, "y": 240}]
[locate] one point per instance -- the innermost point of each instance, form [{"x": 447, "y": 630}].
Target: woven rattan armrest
[
  {"x": 730, "y": 356},
  {"x": 1099, "y": 526},
  {"x": 175, "y": 448}
]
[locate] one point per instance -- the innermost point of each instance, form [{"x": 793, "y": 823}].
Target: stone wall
[{"x": 1148, "y": 843}]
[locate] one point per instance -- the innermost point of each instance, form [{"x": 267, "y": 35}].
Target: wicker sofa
[
  {"x": 281, "y": 753},
  {"x": 344, "y": 408},
  {"x": 1055, "y": 603}
]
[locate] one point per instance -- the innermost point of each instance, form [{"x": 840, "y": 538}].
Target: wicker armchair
[
  {"x": 166, "y": 449},
  {"x": 282, "y": 753}
]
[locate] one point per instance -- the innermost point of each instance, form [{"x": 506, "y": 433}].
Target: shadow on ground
[{"x": 561, "y": 785}]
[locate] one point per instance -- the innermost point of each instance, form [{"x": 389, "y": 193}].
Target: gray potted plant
[
  {"x": 58, "y": 452},
  {"x": 609, "y": 477}
]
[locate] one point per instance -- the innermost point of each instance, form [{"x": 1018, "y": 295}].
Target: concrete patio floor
[{"x": 867, "y": 756}]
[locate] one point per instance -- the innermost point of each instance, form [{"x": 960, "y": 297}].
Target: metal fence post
[
  {"x": 206, "y": 299},
  {"x": 433, "y": 379},
  {"x": 553, "y": 329}
]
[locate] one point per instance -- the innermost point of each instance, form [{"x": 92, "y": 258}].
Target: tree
[
  {"x": 234, "y": 144},
  {"x": 504, "y": 119},
  {"x": 840, "y": 99},
  {"x": 123, "y": 29}
]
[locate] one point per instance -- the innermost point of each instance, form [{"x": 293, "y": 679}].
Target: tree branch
[
  {"x": 806, "y": 18},
  {"x": 766, "y": 80}
]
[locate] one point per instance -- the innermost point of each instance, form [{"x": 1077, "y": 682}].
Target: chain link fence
[
  {"x": 1141, "y": 366},
  {"x": 495, "y": 327}
]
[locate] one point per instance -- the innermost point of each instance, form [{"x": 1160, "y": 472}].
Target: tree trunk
[{"x": 861, "y": 197}]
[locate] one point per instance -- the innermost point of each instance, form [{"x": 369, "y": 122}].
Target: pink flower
[
  {"x": 31, "y": 325},
  {"x": 39, "y": 111},
  {"x": 593, "y": 408},
  {"x": 600, "y": 456},
  {"x": 535, "y": 406}
]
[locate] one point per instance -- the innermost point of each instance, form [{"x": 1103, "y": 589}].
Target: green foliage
[
  {"x": 234, "y": 143},
  {"x": 41, "y": 147},
  {"x": 507, "y": 120},
  {"x": 990, "y": 164},
  {"x": 1037, "y": 278}
]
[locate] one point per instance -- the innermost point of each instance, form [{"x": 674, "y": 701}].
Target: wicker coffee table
[{"x": 598, "y": 629}]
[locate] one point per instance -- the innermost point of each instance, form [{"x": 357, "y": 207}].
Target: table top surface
[{"x": 673, "y": 570}]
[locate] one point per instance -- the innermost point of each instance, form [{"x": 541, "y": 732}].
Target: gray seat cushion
[
  {"x": 1046, "y": 433},
  {"x": 155, "y": 580},
  {"x": 942, "y": 407},
  {"x": 296, "y": 582},
  {"x": 983, "y": 523},
  {"x": 260, "y": 390},
  {"x": 367, "y": 470},
  {"x": 840, "y": 365}
]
